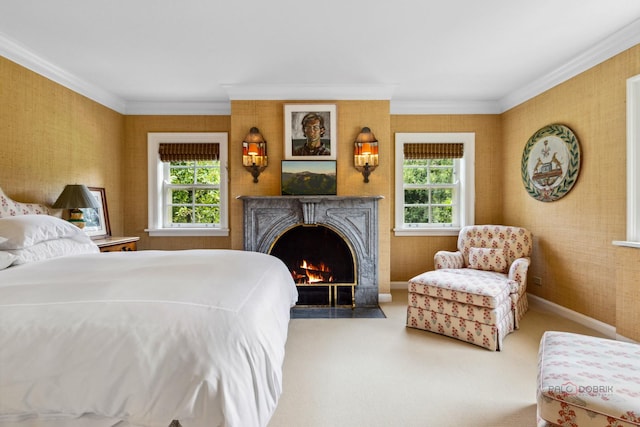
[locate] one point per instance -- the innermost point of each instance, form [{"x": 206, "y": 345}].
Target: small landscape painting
[{"x": 308, "y": 178}]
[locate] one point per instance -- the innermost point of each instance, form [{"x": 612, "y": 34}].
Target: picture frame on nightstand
[{"x": 97, "y": 219}]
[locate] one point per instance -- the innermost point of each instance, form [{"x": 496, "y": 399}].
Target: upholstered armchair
[{"x": 477, "y": 293}]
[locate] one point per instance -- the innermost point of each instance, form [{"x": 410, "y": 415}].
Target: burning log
[{"x": 312, "y": 273}]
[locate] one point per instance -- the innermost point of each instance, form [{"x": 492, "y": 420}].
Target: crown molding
[
  {"x": 444, "y": 107},
  {"x": 17, "y": 53},
  {"x": 222, "y": 108},
  {"x": 309, "y": 91},
  {"x": 618, "y": 42}
]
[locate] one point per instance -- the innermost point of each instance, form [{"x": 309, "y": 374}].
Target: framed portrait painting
[
  {"x": 310, "y": 132},
  {"x": 97, "y": 219}
]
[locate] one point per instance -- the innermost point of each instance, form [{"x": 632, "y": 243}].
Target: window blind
[
  {"x": 172, "y": 152},
  {"x": 413, "y": 151}
]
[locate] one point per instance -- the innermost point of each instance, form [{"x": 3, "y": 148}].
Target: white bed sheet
[{"x": 144, "y": 338}]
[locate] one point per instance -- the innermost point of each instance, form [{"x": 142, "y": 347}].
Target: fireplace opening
[{"x": 318, "y": 259}]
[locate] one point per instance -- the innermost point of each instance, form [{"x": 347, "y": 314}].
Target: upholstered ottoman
[
  {"x": 470, "y": 306},
  {"x": 585, "y": 381}
]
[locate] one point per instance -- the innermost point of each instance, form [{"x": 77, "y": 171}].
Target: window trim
[
  {"x": 633, "y": 162},
  {"x": 155, "y": 187},
  {"x": 467, "y": 181}
]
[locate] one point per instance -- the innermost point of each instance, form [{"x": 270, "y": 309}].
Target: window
[
  {"x": 633, "y": 163},
  {"x": 187, "y": 184},
  {"x": 434, "y": 183}
]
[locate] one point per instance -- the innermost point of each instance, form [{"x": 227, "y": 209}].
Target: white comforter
[{"x": 144, "y": 337}]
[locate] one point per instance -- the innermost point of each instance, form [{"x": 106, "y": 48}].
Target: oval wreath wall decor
[{"x": 550, "y": 163}]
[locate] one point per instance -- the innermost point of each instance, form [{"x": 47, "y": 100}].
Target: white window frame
[
  {"x": 467, "y": 182},
  {"x": 156, "y": 187},
  {"x": 633, "y": 163}
]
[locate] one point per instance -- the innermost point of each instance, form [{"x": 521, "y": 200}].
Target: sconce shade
[
  {"x": 253, "y": 149},
  {"x": 366, "y": 135},
  {"x": 254, "y": 153},
  {"x": 75, "y": 196},
  {"x": 365, "y": 154}
]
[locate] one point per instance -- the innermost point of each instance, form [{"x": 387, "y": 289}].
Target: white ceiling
[{"x": 176, "y": 56}]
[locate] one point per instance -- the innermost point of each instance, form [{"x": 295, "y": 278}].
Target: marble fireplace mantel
[{"x": 355, "y": 218}]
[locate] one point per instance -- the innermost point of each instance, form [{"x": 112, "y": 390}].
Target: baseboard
[
  {"x": 604, "y": 328},
  {"x": 384, "y": 298},
  {"x": 388, "y": 297}
]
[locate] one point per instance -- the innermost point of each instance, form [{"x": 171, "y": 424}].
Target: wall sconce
[
  {"x": 365, "y": 154},
  {"x": 74, "y": 197},
  {"x": 254, "y": 153}
]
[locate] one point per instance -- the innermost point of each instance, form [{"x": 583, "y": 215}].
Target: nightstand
[{"x": 117, "y": 244}]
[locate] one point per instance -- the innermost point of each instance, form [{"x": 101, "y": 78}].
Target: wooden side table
[{"x": 117, "y": 244}]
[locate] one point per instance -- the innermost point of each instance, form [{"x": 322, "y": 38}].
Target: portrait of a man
[
  {"x": 313, "y": 129},
  {"x": 309, "y": 132}
]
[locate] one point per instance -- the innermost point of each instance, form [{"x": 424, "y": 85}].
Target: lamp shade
[{"x": 75, "y": 196}]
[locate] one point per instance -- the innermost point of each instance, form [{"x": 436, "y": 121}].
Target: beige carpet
[{"x": 378, "y": 373}]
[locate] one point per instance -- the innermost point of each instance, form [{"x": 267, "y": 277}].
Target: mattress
[{"x": 143, "y": 338}]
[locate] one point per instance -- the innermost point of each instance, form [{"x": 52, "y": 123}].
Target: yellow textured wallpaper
[
  {"x": 51, "y": 136},
  {"x": 579, "y": 267},
  {"x": 413, "y": 255},
  {"x": 135, "y": 167}
]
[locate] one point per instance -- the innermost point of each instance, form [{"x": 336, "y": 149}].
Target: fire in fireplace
[
  {"x": 316, "y": 256},
  {"x": 308, "y": 273}
]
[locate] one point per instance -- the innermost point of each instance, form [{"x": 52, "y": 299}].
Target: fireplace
[
  {"x": 337, "y": 237},
  {"x": 321, "y": 263}
]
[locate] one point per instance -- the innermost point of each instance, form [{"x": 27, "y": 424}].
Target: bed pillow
[
  {"x": 23, "y": 231},
  {"x": 6, "y": 259},
  {"x": 53, "y": 249},
  {"x": 487, "y": 259}
]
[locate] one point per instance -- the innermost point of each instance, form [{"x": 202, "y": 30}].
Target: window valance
[
  {"x": 173, "y": 152},
  {"x": 415, "y": 151}
]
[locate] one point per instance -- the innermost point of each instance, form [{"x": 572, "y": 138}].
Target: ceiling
[{"x": 176, "y": 56}]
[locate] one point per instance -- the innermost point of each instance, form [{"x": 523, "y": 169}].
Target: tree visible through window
[
  {"x": 193, "y": 192},
  {"x": 188, "y": 184},
  {"x": 429, "y": 191},
  {"x": 434, "y": 182}
]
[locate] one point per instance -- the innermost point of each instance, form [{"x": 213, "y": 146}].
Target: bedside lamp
[{"x": 74, "y": 197}]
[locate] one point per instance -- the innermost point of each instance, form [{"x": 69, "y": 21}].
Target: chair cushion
[
  {"x": 484, "y": 290},
  {"x": 488, "y": 259},
  {"x": 516, "y": 242}
]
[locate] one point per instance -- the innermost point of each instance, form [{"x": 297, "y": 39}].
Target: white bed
[{"x": 137, "y": 338}]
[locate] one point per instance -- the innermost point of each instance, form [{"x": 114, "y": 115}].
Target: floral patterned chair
[{"x": 478, "y": 293}]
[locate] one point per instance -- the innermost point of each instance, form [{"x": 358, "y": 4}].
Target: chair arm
[
  {"x": 518, "y": 271},
  {"x": 447, "y": 259}
]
